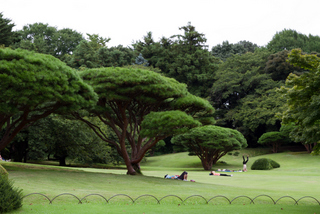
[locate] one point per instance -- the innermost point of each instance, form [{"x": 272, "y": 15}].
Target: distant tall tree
[
  {"x": 94, "y": 53},
  {"x": 152, "y": 50},
  {"x": 278, "y": 66},
  {"x": 244, "y": 96},
  {"x": 35, "y": 85},
  {"x": 289, "y": 39},
  {"x": 6, "y": 34},
  {"x": 193, "y": 63},
  {"x": 43, "y": 38},
  {"x": 302, "y": 94},
  {"x": 118, "y": 56},
  {"x": 226, "y": 50},
  {"x": 84, "y": 56},
  {"x": 96, "y": 41},
  {"x": 38, "y": 37},
  {"x": 184, "y": 57},
  {"x": 67, "y": 41}
]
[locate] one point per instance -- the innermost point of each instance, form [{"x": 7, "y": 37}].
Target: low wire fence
[{"x": 230, "y": 201}]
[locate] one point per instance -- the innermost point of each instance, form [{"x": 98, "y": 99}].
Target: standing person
[
  {"x": 218, "y": 174},
  {"x": 245, "y": 163}
]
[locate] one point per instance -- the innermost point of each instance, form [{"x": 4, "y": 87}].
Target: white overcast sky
[{"x": 125, "y": 21}]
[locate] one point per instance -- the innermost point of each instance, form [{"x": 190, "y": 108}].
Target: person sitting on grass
[
  {"x": 218, "y": 174},
  {"x": 183, "y": 176}
]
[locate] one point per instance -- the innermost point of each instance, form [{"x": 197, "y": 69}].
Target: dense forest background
[{"x": 240, "y": 81}]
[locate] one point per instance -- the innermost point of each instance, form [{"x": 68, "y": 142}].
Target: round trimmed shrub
[
  {"x": 274, "y": 164},
  {"x": 264, "y": 164},
  {"x": 10, "y": 197}
]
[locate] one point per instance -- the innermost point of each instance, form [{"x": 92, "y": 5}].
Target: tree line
[{"x": 247, "y": 85}]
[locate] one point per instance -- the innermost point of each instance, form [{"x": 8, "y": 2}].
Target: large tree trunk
[
  {"x": 207, "y": 163},
  {"x": 62, "y": 161},
  {"x": 134, "y": 169},
  {"x": 127, "y": 161},
  {"x": 309, "y": 147},
  {"x": 275, "y": 147}
]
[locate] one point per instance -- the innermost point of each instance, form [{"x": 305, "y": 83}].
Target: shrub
[
  {"x": 10, "y": 197},
  {"x": 236, "y": 153},
  {"x": 3, "y": 172},
  {"x": 264, "y": 164},
  {"x": 274, "y": 164}
]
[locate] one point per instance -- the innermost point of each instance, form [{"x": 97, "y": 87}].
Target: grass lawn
[{"x": 297, "y": 177}]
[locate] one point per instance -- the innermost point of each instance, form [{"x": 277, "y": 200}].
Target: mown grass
[{"x": 298, "y": 176}]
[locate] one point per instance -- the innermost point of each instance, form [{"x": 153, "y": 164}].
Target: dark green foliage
[
  {"x": 210, "y": 143},
  {"x": 302, "y": 94},
  {"x": 264, "y": 164},
  {"x": 278, "y": 66},
  {"x": 6, "y": 33},
  {"x": 3, "y": 171},
  {"x": 274, "y": 164},
  {"x": 245, "y": 97},
  {"x": 308, "y": 137},
  {"x": 45, "y": 39},
  {"x": 35, "y": 85},
  {"x": 115, "y": 56},
  {"x": 289, "y": 39},
  {"x": 226, "y": 50},
  {"x": 93, "y": 53},
  {"x": 62, "y": 138},
  {"x": 238, "y": 77},
  {"x": 89, "y": 54},
  {"x": 162, "y": 123},
  {"x": 10, "y": 197},
  {"x": 66, "y": 42},
  {"x": 236, "y": 153},
  {"x": 142, "y": 107},
  {"x": 183, "y": 57},
  {"x": 84, "y": 56},
  {"x": 274, "y": 139}
]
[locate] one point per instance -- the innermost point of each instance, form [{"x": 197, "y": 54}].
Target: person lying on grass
[
  {"x": 171, "y": 176},
  {"x": 229, "y": 170},
  {"x": 218, "y": 174},
  {"x": 183, "y": 176}
]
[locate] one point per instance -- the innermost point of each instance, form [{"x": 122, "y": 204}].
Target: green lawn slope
[{"x": 298, "y": 176}]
